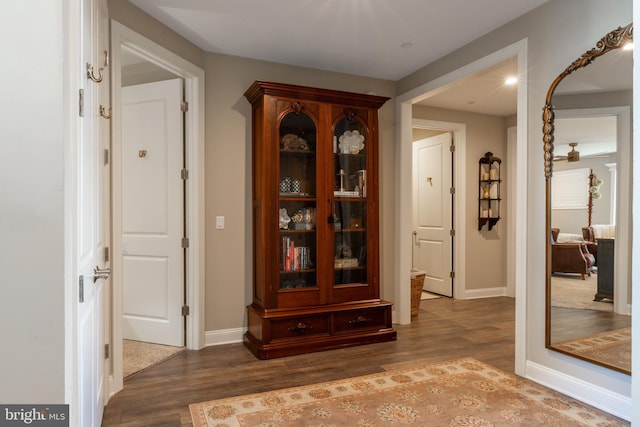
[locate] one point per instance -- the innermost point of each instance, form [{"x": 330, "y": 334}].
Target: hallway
[{"x": 444, "y": 329}]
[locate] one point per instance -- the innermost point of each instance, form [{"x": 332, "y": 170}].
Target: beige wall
[
  {"x": 228, "y": 268},
  {"x": 145, "y": 72},
  {"x": 419, "y": 134},
  {"x": 228, "y": 176},
  {"x": 144, "y": 24},
  {"x": 485, "y": 250}
]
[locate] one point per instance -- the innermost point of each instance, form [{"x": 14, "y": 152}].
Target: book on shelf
[
  {"x": 362, "y": 182},
  {"x": 295, "y": 258},
  {"x": 346, "y": 193},
  {"x": 340, "y": 263}
]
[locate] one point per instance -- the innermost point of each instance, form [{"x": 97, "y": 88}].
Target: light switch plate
[{"x": 219, "y": 223}]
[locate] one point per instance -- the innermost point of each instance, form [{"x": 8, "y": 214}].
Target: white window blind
[{"x": 570, "y": 189}]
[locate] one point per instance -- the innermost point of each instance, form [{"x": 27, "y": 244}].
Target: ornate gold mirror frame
[{"x": 614, "y": 40}]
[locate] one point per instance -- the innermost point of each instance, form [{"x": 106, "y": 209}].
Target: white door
[
  {"x": 432, "y": 212},
  {"x": 92, "y": 219},
  {"x": 152, "y": 212},
  {"x": 92, "y": 224}
]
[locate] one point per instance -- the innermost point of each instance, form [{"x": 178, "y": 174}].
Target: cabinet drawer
[
  {"x": 358, "y": 320},
  {"x": 295, "y": 327}
]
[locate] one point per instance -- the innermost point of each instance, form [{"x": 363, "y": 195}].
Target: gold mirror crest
[{"x": 613, "y": 40}]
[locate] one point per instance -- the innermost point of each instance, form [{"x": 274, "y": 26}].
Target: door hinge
[
  {"x": 81, "y": 103},
  {"x": 452, "y": 274},
  {"x": 106, "y": 254},
  {"x": 184, "y": 174},
  {"x": 185, "y": 242},
  {"x": 81, "y": 289},
  {"x": 184, "y": 106},
  {"x": 452, "y": 233},
  {"x": 452, "y": 190},
  {"x": 452, "y": 148},
  {"x": 106, "y": 351},
  {"x": 185, "y": 310},
  {"x": 106, "y": 156}
]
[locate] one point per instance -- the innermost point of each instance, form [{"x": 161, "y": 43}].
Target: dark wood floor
[
  {"x": 445, "y": 329},
  {"x": 570, "y": 323}
]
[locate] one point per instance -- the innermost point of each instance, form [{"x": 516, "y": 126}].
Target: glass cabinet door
[
  {"x": 297, "y": 186},
  {"x": 350, "y": 201}
]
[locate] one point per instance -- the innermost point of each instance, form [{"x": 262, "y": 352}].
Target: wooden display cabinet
[{"x": 315, "y": 221}]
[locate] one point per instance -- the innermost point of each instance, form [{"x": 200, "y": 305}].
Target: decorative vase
[
  {"x": 295, "y": 186},
  {"x": 285, "y": 185}
]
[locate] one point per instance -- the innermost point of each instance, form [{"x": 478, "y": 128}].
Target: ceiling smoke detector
[{"x": 573, "y": 155}]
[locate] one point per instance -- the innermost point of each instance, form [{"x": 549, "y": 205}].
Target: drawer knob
[
  {"x": 360, "y": 320},
  {"x": 300, "y": 328}
]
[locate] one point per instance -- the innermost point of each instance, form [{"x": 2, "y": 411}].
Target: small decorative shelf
[{"x": 489, "y": 190}]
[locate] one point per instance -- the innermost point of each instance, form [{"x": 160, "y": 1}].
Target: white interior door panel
[
  {"x": 432, "y": 212},
  {"x": 152, "y": 212}
]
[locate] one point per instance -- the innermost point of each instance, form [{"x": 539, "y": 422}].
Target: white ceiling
[
  {"x": 484, "y": 92},
  {"x": 594, "y": 135},
  {"x": 360, "y": 37}
]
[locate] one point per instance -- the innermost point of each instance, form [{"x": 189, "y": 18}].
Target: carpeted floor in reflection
[{"x": 570, "y": 291}]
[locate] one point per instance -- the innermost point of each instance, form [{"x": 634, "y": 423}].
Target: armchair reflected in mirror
[{"x": 587, "y": 144}]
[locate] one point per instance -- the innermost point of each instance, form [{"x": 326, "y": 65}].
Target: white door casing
[
  {"x": 432, "y": 212},
  {"x": 404, "y": 224},
  {"x": 92, "y": 189},
  {"x": 152, "y": 212},
  {"x": 194, "y": 80}
]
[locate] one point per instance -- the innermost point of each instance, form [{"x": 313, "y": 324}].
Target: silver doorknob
[{"x": 101, "y": 273}]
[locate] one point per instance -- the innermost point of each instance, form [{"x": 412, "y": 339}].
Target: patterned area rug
[
  {"x": 462, "y": 392},
  {"x": 612, "y": 348}
]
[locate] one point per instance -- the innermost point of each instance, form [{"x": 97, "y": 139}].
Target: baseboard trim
[
  {"x": 224, "y": 336},
  {"x": 485, "y": 293},
  {"x": 596, "y": 396}
]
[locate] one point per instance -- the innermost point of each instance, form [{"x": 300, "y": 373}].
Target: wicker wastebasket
[{"x": 417, "y": 281}]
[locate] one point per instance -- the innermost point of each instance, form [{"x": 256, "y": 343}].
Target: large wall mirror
[{"x": 587, "y": 153}]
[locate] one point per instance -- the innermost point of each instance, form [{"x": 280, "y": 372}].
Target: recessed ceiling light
[
  {"x": 406, "y": 45},
  {"x": 511, "y": 80}
]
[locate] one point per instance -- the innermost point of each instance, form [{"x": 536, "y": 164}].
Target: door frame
[
  {"x": 404, "y": 188},
  {"x": 459, "y": 135},
  {"x": 194, "y": 85}
]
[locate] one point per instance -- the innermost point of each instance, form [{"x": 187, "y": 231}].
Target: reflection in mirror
[{"x": 587, "y": 145}]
